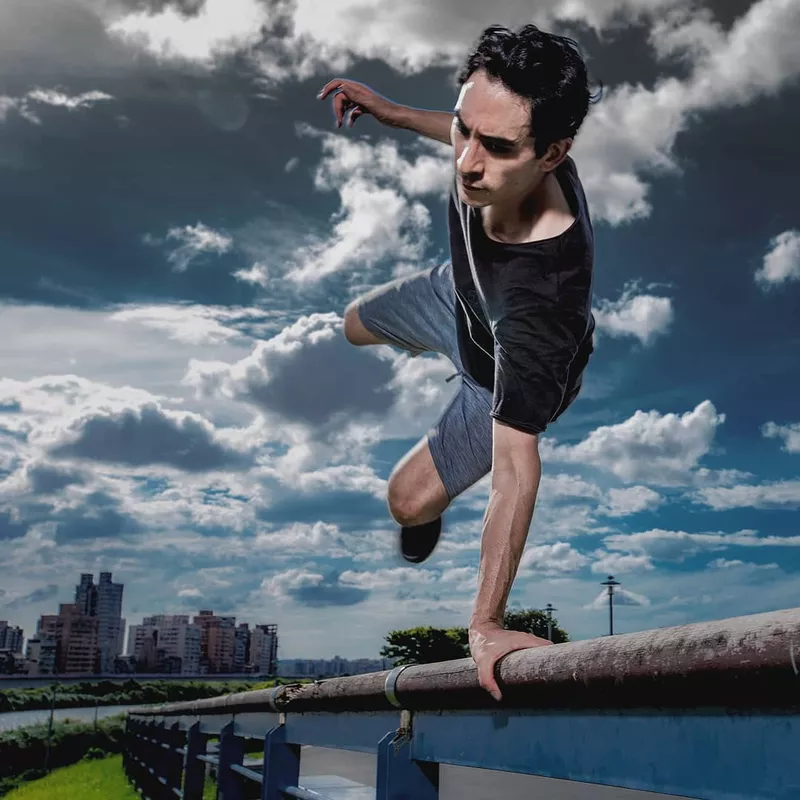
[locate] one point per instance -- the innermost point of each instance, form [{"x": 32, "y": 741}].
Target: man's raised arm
[{"x": 360, "y": 99}]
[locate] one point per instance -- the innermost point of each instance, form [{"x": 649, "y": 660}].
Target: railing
[{"x": 707, "y": 710}]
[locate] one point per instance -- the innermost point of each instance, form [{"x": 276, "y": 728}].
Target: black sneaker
[{"x": 417, "y": 542}]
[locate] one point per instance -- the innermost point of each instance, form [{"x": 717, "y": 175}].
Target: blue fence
[{"x": 708, "y": 710}]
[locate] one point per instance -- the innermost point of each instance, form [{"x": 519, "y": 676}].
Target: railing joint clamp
[{"x": 391, "y": 685}]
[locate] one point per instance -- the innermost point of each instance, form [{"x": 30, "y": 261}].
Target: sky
[{"x": 182, "y": 226}]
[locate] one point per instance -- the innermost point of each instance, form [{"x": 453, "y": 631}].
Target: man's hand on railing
[{"x": 489, "y": 642}]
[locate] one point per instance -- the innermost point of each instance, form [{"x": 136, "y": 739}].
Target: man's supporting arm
[{"x": 516, "y": 472}]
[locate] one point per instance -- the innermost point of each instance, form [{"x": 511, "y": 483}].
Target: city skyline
[{"x": 182, "y": 226}]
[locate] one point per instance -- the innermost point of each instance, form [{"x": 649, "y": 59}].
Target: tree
[
  {"x": 427, "y": 645},
  {"x": 534, "y": 621}
]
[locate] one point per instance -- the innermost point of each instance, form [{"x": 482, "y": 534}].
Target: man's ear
[{"x": 555, "y": 154}]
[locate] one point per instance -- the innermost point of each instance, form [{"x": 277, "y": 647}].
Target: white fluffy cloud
[
  {"x": 770, "y": 494},
  {"x": 555, "y": 558},
  {"x": 782, "y": 261},
  {"x": 661, "y": 449},
  {"x": 25, "y": 105},
  {"x": 219, "y": 28},
  {"x": 195, "y": 241},
  {"x": 201, "y": 324},
  {"x": 669, "y": 545},
  {"x": 641, "y": 316},
  {"x": 789, "y": 433}
]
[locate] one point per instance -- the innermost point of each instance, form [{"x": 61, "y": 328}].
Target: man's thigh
[
  {"x": 461, "y": 441},
  {"x": 415, "y": 313}
]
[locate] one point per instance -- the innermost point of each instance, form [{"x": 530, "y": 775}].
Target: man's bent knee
[
  {"x": 354, "y": 330},
  {"x": 415, "y": 493}
]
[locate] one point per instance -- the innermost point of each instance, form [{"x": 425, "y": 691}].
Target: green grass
[{"x": 102, "y": 779}]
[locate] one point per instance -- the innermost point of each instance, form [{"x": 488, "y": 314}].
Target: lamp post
[
  {"x": 550, "y": 609},
  {"x": 611, "y": 583}
]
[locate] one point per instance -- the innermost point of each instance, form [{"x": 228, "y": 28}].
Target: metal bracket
[{"x": 391, "y": 685}]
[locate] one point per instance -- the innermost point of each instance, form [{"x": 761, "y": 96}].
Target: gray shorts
[{"x": 417, "y": 314}]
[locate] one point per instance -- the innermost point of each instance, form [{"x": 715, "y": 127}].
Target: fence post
[
  {"x": 399, "y": 776},
  {"x": 174, "y": 770},
  {"x": 281, "y": 764},
  {"x": 194, "y": 770},
  {"x": 231, "y": 751}
]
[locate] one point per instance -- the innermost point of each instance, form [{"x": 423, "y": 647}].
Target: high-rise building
[
  {"x": 104, "y": 601},
  {"x": 40, "y": 655},
  {"x": 76, "y": 639},
  {"x": 264, "y": 649},
  {"x": 217, "y": 641},
  {"x": 166, "y": 639},
  {"x": 10, "y": 637},
  {"x": 241, "y": 656}
]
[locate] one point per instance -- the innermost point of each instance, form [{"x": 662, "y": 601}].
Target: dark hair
[{"x": 546, "y": 69}]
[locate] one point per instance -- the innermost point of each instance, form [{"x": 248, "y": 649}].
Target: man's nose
[{"x": 468, "y": 164}]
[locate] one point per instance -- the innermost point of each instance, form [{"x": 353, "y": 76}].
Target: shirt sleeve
[{"x": 534, "y": 349}]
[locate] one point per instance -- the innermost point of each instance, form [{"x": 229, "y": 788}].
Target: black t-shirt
[{"x": 524, "y": 311}]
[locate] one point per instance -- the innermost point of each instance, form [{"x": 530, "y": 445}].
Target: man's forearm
[
  {"x": 433, "y": 124},
  {"x": 505, "y": 531}
]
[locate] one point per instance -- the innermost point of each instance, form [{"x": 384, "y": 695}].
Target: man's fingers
[
  {"x": 356, "y": 112},
  {"x": 488, "y": 682},
  {"x": 340, "y": 105},
  {"x": 329, "y": 87}
]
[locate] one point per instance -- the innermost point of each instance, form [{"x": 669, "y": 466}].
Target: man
[{"x": 511, "y": 308}]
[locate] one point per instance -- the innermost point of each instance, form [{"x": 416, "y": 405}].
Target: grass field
[{"x": 102, "y": 779}]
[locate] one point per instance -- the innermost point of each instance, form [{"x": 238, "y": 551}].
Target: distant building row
[
  {"x": 331, "y": 668},
  {"x": 86, "y": 637},
  {"x": 208, "y": 645}
]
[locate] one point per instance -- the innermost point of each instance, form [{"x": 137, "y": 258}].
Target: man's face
[{"x": 492, "y": 145}]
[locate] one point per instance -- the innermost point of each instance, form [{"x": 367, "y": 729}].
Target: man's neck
[{"x": 541, "y": 214}]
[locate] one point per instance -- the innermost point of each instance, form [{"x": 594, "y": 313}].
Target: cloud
[
  {"x": 196, "y": 240},
  {"x": 217, "y": 28},
  {"x": 552, "y": 559},
  {"x": 633, "y": 500},
  {"x": 312, "y": 589},
  {"x": 633, "y": 130},
  {"x": 39, "y": 595},
  {"x": 661, "y": 449},
  {"x": 24, "y": 105},
  {"x": 200, "y": 324},
  {"x": 621, "y": 563},
  {"x": 144, "y": 435},
  {"x": 39, "y": 477},
  {"x": 726, "y": 564},
  {"x": 377, "y": 220},
  {"x": 770, "y": 494},
  {"x": 642, "y": 316},
  {"x": 307, "y": 374},
  {"x": 789, "y": 433},
  {"x": 782, "y": 261},
  {"x": 677, "y": 546}
]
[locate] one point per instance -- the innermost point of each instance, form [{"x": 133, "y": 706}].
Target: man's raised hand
[{"x": 359, "y": 99}]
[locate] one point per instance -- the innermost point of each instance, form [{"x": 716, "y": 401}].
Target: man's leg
[
  {"x": 417, "y": 314},
  {"x": 455, "y": 454}
]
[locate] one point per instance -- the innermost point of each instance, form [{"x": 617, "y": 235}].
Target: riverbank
[
  {"x": 132, "y": 692},
  {"x": 100, "y": 779},
  {"x": 24, "y": 756}
]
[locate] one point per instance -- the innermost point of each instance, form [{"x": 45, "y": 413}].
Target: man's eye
[{"x": 497, "y": 148}]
